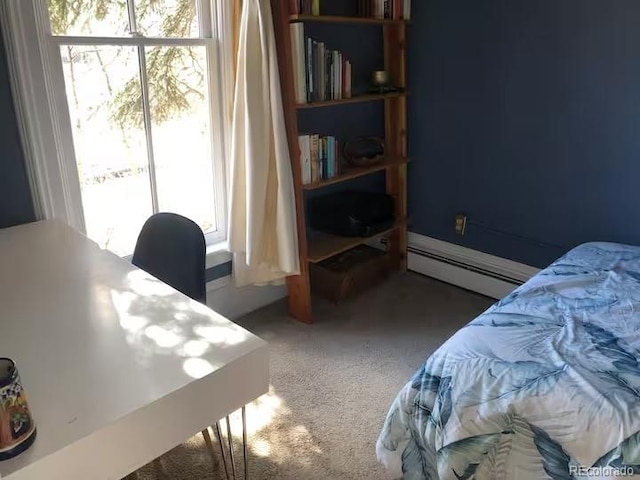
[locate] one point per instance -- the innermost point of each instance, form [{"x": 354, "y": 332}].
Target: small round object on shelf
[
  {"x": 364, "y": 151},
  {"x": 380, "y": 78}
]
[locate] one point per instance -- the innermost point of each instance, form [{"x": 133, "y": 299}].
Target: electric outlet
[{"x": 461, "y": 224}]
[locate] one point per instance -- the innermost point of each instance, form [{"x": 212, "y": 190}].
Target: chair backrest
[{"x": 172, "y": 248}]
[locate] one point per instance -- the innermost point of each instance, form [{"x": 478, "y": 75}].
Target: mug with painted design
[{"x": 17, "y": 428}]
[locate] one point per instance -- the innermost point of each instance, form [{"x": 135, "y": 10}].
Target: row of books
[
  {"x": 319, "y": 73},
  {"x": 393, "y": 9},
  {"x": 305, "y": 7},
  {"x": 319, "y": 157}
]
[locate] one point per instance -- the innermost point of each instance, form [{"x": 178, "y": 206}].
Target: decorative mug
[{"x": 17, "y": 429}]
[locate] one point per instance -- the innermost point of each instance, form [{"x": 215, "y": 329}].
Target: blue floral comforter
[{"x": 544, "y": 384}]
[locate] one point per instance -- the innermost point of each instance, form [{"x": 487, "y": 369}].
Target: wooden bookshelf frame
[
  {"x": 316, "y": 247},
  {"x": 356, "y": 99},
  {"x": 336, "y": 19},
  {"x": 355, "y": 172}
]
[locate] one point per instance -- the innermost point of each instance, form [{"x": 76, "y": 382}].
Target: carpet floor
[{"x": 332, "y": 382}]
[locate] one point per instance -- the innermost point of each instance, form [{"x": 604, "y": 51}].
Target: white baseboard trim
[
  {"x": 233, "y": 302},
  {"x": 466, "y": 268}
]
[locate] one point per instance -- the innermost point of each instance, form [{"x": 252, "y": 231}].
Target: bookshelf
[
  {"x": 356, "y": 99},
  {"x": 315, "y": 247},
  {"x": 355, "y": 172},
  {"x": 323, "y": 245},
  {"x": 344, "y": 19}
]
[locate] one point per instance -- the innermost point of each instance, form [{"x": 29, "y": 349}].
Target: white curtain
[{"x": 262, "y": 217}]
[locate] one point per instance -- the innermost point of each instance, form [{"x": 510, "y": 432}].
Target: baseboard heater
[{"x": 466, "y": 268}]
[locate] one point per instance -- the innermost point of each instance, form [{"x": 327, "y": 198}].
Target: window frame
[{"x": 39, "y": 91}]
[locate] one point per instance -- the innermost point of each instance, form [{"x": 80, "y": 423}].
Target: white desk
[{"x": 118, "y": 367}]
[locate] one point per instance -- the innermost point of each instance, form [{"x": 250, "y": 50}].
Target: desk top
[{"x": 98, "y": 341}]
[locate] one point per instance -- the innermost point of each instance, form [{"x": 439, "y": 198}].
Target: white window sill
[{"x": 217, "y": 254}]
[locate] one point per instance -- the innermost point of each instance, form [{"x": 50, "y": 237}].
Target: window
[{"x": 137, "y": 91}]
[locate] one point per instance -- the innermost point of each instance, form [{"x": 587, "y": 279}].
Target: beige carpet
[{"x": 332, "y": 382}]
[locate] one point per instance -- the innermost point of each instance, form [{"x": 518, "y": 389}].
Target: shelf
[
  {"x": 356, "y": 99},
  {"x": 323, "y": 245},
  {"x": 355, "y": 172},
  {"x": 336, "y": 19}
]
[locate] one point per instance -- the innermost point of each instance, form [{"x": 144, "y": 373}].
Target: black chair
[{"x": 172, "y": 248}]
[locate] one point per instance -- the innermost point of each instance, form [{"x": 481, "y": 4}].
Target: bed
[{"x": 544, "y": 384}]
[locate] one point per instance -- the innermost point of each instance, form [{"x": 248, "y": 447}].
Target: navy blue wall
[
  {"x": 525, "y": 115},
  {"x": 15, "y": 197}
]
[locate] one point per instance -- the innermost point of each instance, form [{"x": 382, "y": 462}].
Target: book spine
[
  {"x": 407, "y": 10},
  {"x": 330, "y": 157},
  {"x": 293, "y": 31},
  {"x": 348, "y": 80},
  {"x": 321, "y": 76},
  {"x": 294, "y": 7},
  {"x": 323, "y": 161},
  {"x": 339, "y": 77},
  {"x": 336, "y": 75},
  {"x": 327, "y": 75},
  {"x": 326, "y": 158},
  {"x": 386, "y": 10},
  {"x": 397, "y": 9},
  {"x": 297, "y": 46},
  {"x": 315, "y": 160},
  {"x": 331, "y": 75},
  {"x": 309, "y": 68},
  {"x": 331, "y": 173},
  {"x": 343, "y": 77},
  {"x": 305, "y": 159},
  {"x": 321, "y": 152},
  {"x": 314, "y": 65},
  {"x": 336, "y": 156},
  {"x": 315, "y": 7}
]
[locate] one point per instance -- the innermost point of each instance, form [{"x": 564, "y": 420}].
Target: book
[
  {"x": 324, "y": 164},
  {"x": 322, "y": 77},
  {"x": 331, "y": 77},
  {"x": 339, "y": 75},
  {"x": 322, "y": 154},
  {"x": 315, "y": 65},
  {"x": 397, "y": 9},
  {"x": 406, "y": 10},
  {"x": 297, "y": 46},
  {"x": 294, "y": 7},
  {"x": 347, "y": 79},
  {"x": 379, "y": 9},
  {"x": 309, "y": 68},
  {"x": 330, "y": 169},
  {"x": 327, "y": 75},
  {"x": 315, "y": 159},
  {"x": 305, "y": 158},
  {"x": 335, "y": 61},
  {"x": 320, "y": 74},
  {"x": 315, "y": 7},
  {"x": 318, "y": 157}
]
